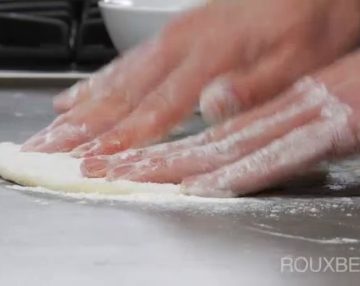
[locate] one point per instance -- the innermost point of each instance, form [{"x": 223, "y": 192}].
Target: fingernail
[
  {"x": 94, "y": 167},
  {"x": 31, "y": 144},
  {"x": 61, "y": 100},
  {"x": 124, "y": 172},
  {"x": 27, "y": 146},
  {"x": 219, "y": 101},
  {"x": 35, "y": 140},
  {"x": 57, "y": 122},
  {"x": 69, "y": 96},
  {"x": 84, "y": 150}
]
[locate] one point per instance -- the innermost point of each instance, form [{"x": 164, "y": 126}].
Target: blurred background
[{"x": 53, "y": 35}]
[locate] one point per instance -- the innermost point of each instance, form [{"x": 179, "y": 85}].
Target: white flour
[{"x": 267, "y": 210}]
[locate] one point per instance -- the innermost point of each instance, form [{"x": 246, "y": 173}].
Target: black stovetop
[{"x": 53, "y": 35}]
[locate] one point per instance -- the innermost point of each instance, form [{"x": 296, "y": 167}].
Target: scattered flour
[
  {"x": 344, "y": 173},
  {"x": 265, "y": 209},
  {"x": 335, "y": 240}
]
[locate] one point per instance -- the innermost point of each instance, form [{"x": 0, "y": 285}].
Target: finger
[
  {"x": 239, "y": 142},
  {"x": 332, "y": 134},
  {"x": 144, "y": 63},
  {"x": 32, "y": 143},
  {"x": 174, "y": 167},
  {"x": 72, "y": 96},
  {"x": 122, "y": 95},
  {"x": 98, "y": 83},
  {"x": 304, "y": 95},
  {"x": 60, "y": 139},
  {"x": 95, "y": 167},
  {"x": 161, "y": 109},
  {"x": 38, "y": 138},
  {"x": 270, "y": 165},
  {"x": 81, "y": 124},
  {"x": 240, "y": 90},
  {"x": 90, "y": 165},
  {"x": 299, "y": 101}
]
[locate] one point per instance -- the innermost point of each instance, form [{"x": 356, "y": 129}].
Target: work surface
[{"x": 50, "y": 240}]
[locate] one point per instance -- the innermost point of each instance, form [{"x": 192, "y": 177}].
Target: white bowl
[{"x": 130, "y": 22}]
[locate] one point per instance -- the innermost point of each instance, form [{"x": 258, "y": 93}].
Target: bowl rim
[{"x": 117, "y": 6}]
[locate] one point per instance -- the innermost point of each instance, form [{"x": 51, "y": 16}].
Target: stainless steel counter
[{"x": 49, "y": 240}]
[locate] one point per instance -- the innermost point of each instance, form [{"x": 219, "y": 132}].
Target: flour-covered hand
[
  {"x": 227, "y": 56},
  {"x": 316, "y": 119}
]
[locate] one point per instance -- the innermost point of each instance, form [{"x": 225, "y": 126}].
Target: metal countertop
[{"x": 50, "y": 240}]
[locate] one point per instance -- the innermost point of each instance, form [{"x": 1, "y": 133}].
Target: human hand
[
  {"x": 229, "y": 56},
  {"x": 315, "y": 120}
]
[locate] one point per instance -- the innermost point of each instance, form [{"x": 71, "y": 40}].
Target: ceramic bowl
[{"x": 130, "y": 22}]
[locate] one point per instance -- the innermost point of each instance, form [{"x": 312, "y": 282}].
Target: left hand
[
  {"x": 316, "y": 119},
  {"x": 228, "y": 56}
]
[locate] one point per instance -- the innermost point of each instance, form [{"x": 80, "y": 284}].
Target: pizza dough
[{"x": 60, "y": 172}]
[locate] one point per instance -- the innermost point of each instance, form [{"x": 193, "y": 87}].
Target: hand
[
  {"x": 229, "y": 56},
  {"x": 317, "y": 119}
]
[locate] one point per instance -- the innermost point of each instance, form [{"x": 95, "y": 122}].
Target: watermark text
[{"x": 302, "y": 264}]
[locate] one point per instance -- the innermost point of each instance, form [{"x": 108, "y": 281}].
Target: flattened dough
[{"x": 60, "y": 172}]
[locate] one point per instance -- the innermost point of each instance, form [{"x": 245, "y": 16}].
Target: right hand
[{"x": 316, "y": 120}]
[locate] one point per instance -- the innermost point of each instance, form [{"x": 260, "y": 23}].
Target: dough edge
[{"x": 60, "y": 172}]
